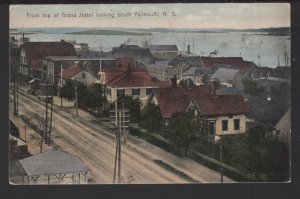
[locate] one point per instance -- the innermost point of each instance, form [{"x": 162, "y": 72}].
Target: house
[
  {"x": 140, "y": 55},
  {"x": 56, "y": 64},
  {"x": 128, "y": 80},
  {"x": 78, "y": 74},
  {"x": 32, "y": 54},
  {"x": 266, "y": 112},
  {"x": 195, "y": 74},
  {"x": 220, "y": 114},
  {"x": 283, "y": 127},
  {"x": 234, "y": 62},
  {"x": 157, "y": 69},
  {"x": 229, "y": 77},
  {"x": 163, "y": 52},
  {"x": 82, "y": 49}
]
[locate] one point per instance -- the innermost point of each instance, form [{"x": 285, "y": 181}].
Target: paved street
[{"x": 84, "y": 137}]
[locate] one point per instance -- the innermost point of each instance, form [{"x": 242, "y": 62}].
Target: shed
[{"x": 55, "y": 165}]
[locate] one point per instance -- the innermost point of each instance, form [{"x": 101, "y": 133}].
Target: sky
[{"x": 208, "y": 15}]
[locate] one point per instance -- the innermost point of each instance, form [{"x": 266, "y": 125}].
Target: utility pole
[
  {"x": 122, "y": 119},
  {"x": 51, "y": 109},
  {"x": 15, "y": 101},
  {"x": 46, "y": 123},
  {"x": 17, "y": 98},
  {"x": 76, "y": 98},
  {"x": 221, "y": 159}
]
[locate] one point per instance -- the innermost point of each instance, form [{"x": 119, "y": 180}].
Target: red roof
[
  {"x": 133, "y": 79},
  {"x": 36, "y": 51},
  {"x": 177, "y": 100},
  {"x": 235, "y": 62},
  {"x": 71, "y": 71}
]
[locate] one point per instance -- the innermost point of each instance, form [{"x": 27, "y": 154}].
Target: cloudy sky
[{"x": 214, "y": 15}]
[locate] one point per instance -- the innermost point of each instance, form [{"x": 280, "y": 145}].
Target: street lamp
[
  {"x": 219, "y": 139},
  {"x": 76, "y": 98}
]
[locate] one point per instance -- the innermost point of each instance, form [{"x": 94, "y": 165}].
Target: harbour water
[{"x": 262, "y": 49}]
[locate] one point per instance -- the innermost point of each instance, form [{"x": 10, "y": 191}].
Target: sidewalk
[{"x": 32, "y": 145}]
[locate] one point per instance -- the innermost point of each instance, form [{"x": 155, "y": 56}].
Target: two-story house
[
  {"x": 220, "y": 114},
  {"x": 32, "y": 54},
  {"x": 128, "y": 80}
]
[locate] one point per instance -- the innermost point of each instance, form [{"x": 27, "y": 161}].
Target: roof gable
[
  {"x": 177, "y": 100},
  {"x": 71, "y": 71},
  {"x": 36, "y": 51}
]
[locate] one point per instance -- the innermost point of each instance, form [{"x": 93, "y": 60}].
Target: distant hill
[
  {"x": 109, "y": 32},
  {"x": 280, "y": 31}
]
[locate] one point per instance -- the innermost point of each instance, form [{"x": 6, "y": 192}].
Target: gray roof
[
  {"x": 53, "y": 162},
  {"x": 229, "y": 91},
  {"x": 224, "y": 74},
  {"x": 268, "y": 112},
  {"x": 195, "y": 61},
  {"x": 162, "y": 47},
  {"x": 159, "y": 65},
  {"x": 195, "y": 71}
]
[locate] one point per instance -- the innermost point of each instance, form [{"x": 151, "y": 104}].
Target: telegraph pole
[
  {"x": 121, "y": 124},
  {"x": 51, "y": 109},
  {"x": 76, "y": 98},
  {"x": 221, "y": 159},
  {"x": 46, "y": 124}
]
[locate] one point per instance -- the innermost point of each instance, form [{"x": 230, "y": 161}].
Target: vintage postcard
[{"x": 149, "y": 93}]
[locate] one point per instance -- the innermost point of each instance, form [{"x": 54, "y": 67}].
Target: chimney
[
  {"x": 129, "y": 68},
  {"x": 189, "y": 49},
  {"x": 213, "y": 88},
  {"x": 136, "y": 64},
  {"x": 174, "y": 82},
  {"x": 62, "y": 41}
]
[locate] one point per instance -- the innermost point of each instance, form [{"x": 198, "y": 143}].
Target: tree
[
  {"x": 250, "y": 87},
  {"x": 151, "y": 117},
  {"x": 97, "y": 96},
  {"x": 67, "y": 90},
  {"x": 184, "y": 128},
  {"x": 134, "y": 106}
]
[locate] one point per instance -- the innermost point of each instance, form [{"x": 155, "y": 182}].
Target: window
[
  {"x": 149, "y": 91},
  {"x": 224, "y": 125},
  {"x": 108, "y": 91},
  {"x": 135, "y": 92},
  {"x": 236, "y": 124},
  {"x": 120, "y": 92},
  {"x": 211, "y": 128},
  {"x": 83, "y": 75}
]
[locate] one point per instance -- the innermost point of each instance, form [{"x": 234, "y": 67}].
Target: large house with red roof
[
  {"x": 32, "y": 54},
  {"x": 221, "y": 114},
  {"x": 128, "y": 79},
  {"x": 234, "y": 62}
]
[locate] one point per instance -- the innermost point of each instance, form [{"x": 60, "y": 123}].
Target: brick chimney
[
  {"x": 174, "y": 82},
  {"x": 129, "y": 68},
  {"x": 213, "y": 88}
]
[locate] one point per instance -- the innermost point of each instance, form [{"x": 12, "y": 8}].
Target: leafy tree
[
  {"x": 97, "y": 97},
  {"x": 68, "y": 90},
  {"x": 151, "y": 118},
  {"x": 133, "y": 105},
  {"x": 250, "y": 87},
  {"x": 184, "y": 129}
]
